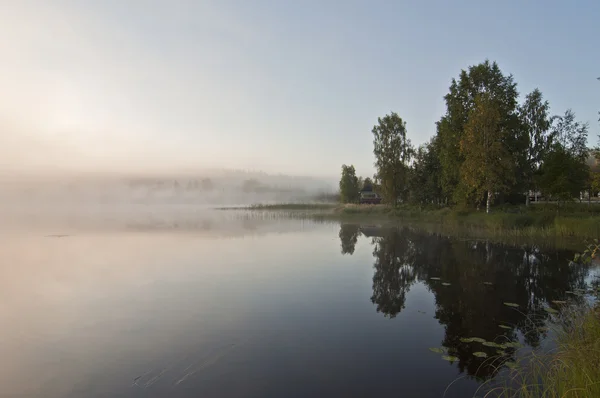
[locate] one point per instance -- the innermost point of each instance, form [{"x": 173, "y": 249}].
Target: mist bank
[{"x": 215, "y": 187}]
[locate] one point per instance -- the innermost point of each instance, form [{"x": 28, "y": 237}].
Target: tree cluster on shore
[{"x": 488, "y": 148}]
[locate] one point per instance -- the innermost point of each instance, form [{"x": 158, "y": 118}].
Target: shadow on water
[{"x": 471, "y": 281}]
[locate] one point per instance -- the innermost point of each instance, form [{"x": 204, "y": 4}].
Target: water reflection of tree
[
  {"x": 482, "y": 277},
  {"x": 394, "y": 273},
  {"x": 348, "y": 237}
]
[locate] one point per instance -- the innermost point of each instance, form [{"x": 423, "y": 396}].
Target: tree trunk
[{"x": 489, "y": 202}]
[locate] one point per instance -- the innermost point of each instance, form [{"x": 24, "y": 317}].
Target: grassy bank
[
  {"x": 285, "y": 207},
  {"x": 539, "y": 221},
  {"x": 570, "y": 369}
]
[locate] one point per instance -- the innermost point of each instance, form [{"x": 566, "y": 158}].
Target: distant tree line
[{"x": 488, "y": 148}]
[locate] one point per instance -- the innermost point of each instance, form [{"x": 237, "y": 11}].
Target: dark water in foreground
[{"x": 278, "y": 309}]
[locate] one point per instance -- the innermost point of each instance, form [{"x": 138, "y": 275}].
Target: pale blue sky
[{"x": 282, "y": 86}]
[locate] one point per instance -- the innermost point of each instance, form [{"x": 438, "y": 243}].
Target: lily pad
[
  {"x": 445, "y": 284},
  {"x": 467, "y": 340},
  {"x": 435, "y": 278},
  {"x": 480, "y": 354},
  {"x": 478, "y": 340},
  {"x": 559, "y": 302},
  {"x": 437, "y": 350},
  {"x": 492, "y": 344},
  {"x": 510, "y": 365},
  {"x": 515, "y": 305},
  {"x": 504, "y": 327},
  {"x": 569, "y": 292},
  {"x": 449, "y": 358},
  {"x": 500, "y": 352},
  {"x": 550, "y": 310},
  {"x": 488, "y": 283}
]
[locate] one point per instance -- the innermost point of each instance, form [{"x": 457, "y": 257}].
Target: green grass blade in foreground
[{"x": 572, "y": 369}]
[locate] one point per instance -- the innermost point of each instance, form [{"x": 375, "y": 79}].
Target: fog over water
[{"x": 181, "y": 201}]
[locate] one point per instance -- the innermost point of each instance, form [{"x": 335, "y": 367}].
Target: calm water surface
[{"x": 260, "y": 307}]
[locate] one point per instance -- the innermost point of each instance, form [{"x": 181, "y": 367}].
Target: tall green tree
[
  {"x": 349, "y": 185},
  {"x": 563, "y": 174},
  {"x": 488, "y": 165},
  {"x": 485, "y": 77},
  {"x": 571, "y": 135},
  {"x": 393, "y": 151},
  {"x": 595, "y": 183},
  {"x": 425, "y": 187},
  {"x": 594, "y": 178},
  {"x": 367, "y": 184},
  {"x": 535, "y": 122}
]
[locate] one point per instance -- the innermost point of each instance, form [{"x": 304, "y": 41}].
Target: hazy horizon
[{"x": 153, "y": 87}]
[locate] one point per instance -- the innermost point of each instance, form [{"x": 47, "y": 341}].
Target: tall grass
[
  {"x": 284, "y": 207},
  {"x": 570, "y": 369},
  {"x": 540, "y": 221},
  {"x": 294, "y": 206}
]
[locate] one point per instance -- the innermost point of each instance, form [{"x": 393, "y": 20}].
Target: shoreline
[{"x": 573, "y": 225}]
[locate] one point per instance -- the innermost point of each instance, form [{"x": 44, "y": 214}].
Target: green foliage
[
  {"x": 486, "y": 147},
  {"x": 367, "y": 184},
  {"x": 393, "y": 151},
  {"x": 349, "y": 189},
  {"x": 425, "y": 184},
  {"x": 591, "y": 252},
  {"x": 571, "y": 369},
  {"x": 437, "y": 350},
  {"x": 571, "y": 135},
  {"x": 535, "y": 122},
  {"x": 539, "y": 221},
  {"x": 488, "y": 165},
  {"x": 486, "y": 78},
  {"x": 594, "y": 182},
  {"x": 563, "y": 174}
]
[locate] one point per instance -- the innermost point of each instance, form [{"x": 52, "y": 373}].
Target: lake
[{"x": 234, "y": 304}]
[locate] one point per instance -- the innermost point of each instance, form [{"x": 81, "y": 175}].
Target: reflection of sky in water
[
  {"x": 594, "y": 274},
  {"x": 157, "y": 313}
]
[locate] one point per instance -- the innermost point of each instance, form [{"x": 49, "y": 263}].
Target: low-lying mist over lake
[
  {"x": 118, "y": 202},
  {"x": 202, "y": 188}
]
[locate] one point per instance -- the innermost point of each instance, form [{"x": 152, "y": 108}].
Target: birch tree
[{"x": 488, "y": 165}]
